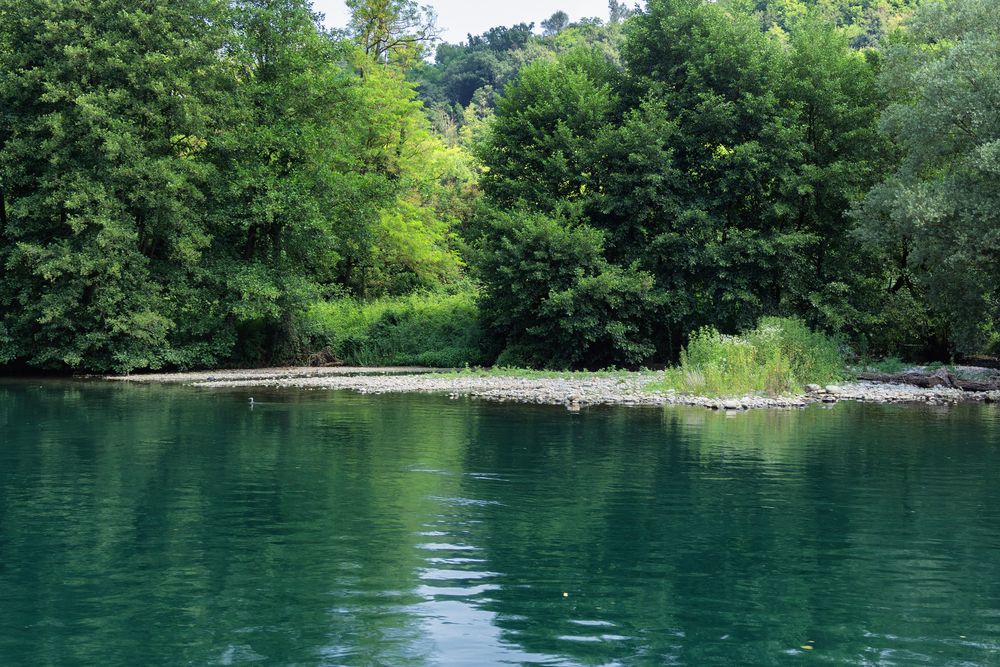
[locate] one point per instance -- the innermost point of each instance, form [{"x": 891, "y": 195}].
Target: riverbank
[{"x": 573, "y": 390}]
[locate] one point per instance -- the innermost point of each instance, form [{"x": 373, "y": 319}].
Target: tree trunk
[{"x": 250, "y": 247}]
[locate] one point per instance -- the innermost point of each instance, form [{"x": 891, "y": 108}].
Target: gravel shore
[{"x": 573, "y": 390}]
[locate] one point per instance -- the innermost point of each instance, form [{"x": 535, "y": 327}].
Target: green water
[{"x": 174, "y": 526}]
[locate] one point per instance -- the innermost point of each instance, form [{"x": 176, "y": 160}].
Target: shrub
[
  {"x": 887, "y": 365},
  {"x": 428, "y": 329},
  {"x": 778, "y": 357},
  {"x": 551, "y": 300}
]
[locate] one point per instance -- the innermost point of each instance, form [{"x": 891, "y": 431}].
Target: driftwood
[
  {"x": 940, "y": 378},
  {"x": 325, "y": 358}
]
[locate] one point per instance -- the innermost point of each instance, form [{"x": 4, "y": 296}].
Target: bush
[
  {"x": 551, "y": 300},
  {"x": 429, "y": 329},
  {"x": 887, "y": 365},
  {"x": 780, "y": 356}
]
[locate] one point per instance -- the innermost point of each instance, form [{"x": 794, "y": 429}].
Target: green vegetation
[
  {"x": 181, "y": 208},
  {"x": 779, "y": 356},
  {"x": 437, "y": 330},
  {"x": 938, "y": 213},
  {"x": 465, "y": 81},
  {"x": 255, "y": 188},
  {"x": 887, "y": 365},
  {"x": 719, "y": 165},
  {"x": 553, "y": 301},
  {"x": 866, "y": 23}
]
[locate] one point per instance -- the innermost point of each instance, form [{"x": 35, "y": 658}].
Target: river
[{"x": 154, "y": 525}]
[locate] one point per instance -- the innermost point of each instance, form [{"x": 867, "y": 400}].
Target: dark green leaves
[
  {"x": 552, "y": 300},
  {"x": 103, "y": 223},
  {"x": 720, "y": 163},
  {"x": 178, "y": 180},
  {"x": 941, "y": 211}
]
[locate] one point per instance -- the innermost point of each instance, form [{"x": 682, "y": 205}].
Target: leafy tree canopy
[{"x": 939, "y": 212}]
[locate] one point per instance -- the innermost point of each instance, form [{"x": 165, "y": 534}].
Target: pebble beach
[{"x": 574, "y": 391}]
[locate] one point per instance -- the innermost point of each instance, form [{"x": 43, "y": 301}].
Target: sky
[{"x": 458, "y": 18}]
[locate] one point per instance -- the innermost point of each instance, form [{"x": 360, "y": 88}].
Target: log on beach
[{"x": 940, "y": 378}]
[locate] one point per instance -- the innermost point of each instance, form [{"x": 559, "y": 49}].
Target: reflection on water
[{"x": 151, "y": 525}]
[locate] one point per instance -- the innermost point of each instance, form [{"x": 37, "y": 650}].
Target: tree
[
  {"x": 551, "y": 300},
  {"x": 833, "y": 91},
  {"x": 940, "y": 211},
  {"x": 392, "y": 30},
  {"x": 618, "y": 11},
  {"x": 538, "y": 153},
  {"x": 720, "y": 162},
  {"x": 489, "y": 62},
  {"x": 556, "y": 23},
  {"x": 292, "y": 200},
  {"x": 459, "y": 71},
  {"x": 334, "y": 179},
  {"x": 107, "y": 109},
  {"x": 865, "y": 22},
  {"x": 183, "y": 208},
  {"x": 718, "y": 234}
]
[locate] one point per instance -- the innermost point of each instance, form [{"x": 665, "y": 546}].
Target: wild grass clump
[
  {"x": 887, "y": 365},
  {"x": 778, "y": 357},
  {"x": 428, "y": 329}
]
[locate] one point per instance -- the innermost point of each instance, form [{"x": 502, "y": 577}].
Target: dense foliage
[
  {"x": 422, "y": 329},
  {"x": 179, "y": 207},
  {"x": 200, "y": 182},
  {"x": 937, "y": 216},
  {"x": 553, "y": 300},
  {"x": 103, "y": 238},
  {"x": 464, "y": 81},
  {"x": 865, "y": 22},
  {"x": 720, "y": 161},
  {"x": 723, "y": 155}
]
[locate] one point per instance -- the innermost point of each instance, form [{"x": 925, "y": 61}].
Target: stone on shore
[{"x": 571, "y": 391}]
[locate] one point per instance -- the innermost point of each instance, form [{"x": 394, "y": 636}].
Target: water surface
[{"x": 165, "y": 525}]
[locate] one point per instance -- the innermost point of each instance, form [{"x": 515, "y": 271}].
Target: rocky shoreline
[{"x": 575, "y": 391}]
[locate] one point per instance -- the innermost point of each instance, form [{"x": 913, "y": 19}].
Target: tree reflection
[{"x": 150, "y": 524}]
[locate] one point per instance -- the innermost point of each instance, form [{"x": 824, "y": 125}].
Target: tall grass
[
  {"x": 430, "y": 329},
  {"x": 887, "y": 365},
  {"x": 778, "y": 357}
]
